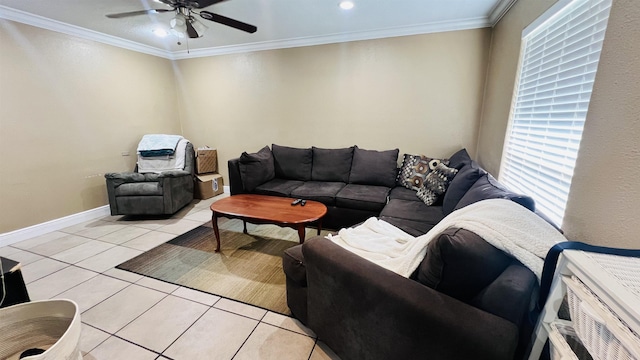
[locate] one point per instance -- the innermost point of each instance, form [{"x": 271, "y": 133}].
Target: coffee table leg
[
  {"x": 214, "y": 222},
  {"x": 319, "y": 226},
  {"x": 301, "y": 233},
  {"x": 244, "y": 226}
]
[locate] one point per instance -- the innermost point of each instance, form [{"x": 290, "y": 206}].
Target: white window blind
[{"x": 558, "y": 64}]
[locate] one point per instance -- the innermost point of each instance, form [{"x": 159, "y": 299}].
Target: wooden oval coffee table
[{"x": 262, "y": 209}]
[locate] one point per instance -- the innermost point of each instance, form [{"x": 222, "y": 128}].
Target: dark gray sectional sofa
[
  {"x": 353, "y": 183},
  {"x": 466, "y": 300}
]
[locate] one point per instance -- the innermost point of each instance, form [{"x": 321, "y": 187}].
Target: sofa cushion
[
  {"x": 139, "y": 188},
  {"x": 362, "y": 197},
  {"x": 468, "y": 174},
  {"x": 436, "y": 183},
  {"x": 414, "y": 170},
  {"x": 322, "y": 191},
  {"x": 292, "y": 163},
  {"x": 331, "y": 164},
  {"x": 278, "y": 187},
  {"x": 460, "y": 263},
  {"x": 487, "y": 187},
  {"x": 371, "y": 167},
  {"x": 459, "y": 158},
  {"x": 403, "y": 193},
  {"x": 517, "y": 283},
  {"x": 256, "y": 168},
  {"x": 413, "y": 210}
]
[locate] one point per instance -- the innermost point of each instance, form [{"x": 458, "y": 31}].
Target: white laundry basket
[
  {"x": 52, "y": 326},
  {"x": 602, "y": 333}
]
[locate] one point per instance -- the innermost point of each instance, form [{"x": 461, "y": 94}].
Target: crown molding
[
  {"x": 498, "y": 11},
  {"x": 58, "y": 26},
  {"x": 335, "y": 38},
  {"x": 53, "y": 25}
]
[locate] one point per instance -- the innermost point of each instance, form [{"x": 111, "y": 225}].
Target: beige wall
[
  {"x": 421, "y": 94},
  {"x": 603, "y": 202},
  {"x": 68, "y": 108}
]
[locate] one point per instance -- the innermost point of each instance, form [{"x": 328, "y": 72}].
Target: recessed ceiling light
[
  {"x": 159, "y": 32},
  {"x": 346, "y": 5}
]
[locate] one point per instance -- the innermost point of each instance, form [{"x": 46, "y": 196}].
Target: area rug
[{"x": 248, "y": 268}]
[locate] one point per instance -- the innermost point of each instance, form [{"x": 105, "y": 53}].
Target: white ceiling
[{"x": 281, "y": 23}]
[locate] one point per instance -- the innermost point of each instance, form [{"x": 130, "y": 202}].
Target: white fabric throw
[
  {"x": 502, "y": 223},
  {"x": 158, "y": 164}
]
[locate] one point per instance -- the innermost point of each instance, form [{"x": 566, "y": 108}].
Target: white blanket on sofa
[{"x": 502, "y": 223}]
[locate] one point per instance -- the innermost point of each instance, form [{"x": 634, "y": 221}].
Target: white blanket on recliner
[
  {"x": 502, "y": 223},
  {"x": 160, "y": 164}
]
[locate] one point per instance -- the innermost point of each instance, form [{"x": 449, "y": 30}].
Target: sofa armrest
[
  {"x": 363, "y": 311},
  {"x": 235, "y": 179},
  {"x": 174, "y": 174},
  {"x": 125, "y": 177}
]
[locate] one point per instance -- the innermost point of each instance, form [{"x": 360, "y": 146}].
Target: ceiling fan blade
[
  {"x": 191, "y": 31},
  {"x": 136, "y": 13},
  {"x": 228, "y": 21},
  {"x": 201, "y": 4}
]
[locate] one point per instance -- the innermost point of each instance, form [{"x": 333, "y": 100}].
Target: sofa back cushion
[
  {"x": 487, "y": 187},
  {"x": 371, "y": 167},
  {"x": 331, "y": 164},
  {"x": 468, "y": 174},
  {"x": 292, "y": 163},
  {"x": 256, "y": 168},
  {"x": 461, "y": 264}
]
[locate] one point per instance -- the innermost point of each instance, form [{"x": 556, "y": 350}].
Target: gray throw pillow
[
  {"x": 460, "y": 158},
  {"x": 436, "y": 183},
  {"x": 292, "y": 163},
  {"x": 371, "y": 167},
  {"x": 256, "y": 168}
]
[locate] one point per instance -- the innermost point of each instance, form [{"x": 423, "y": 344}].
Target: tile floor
[{"x": 129, "y": 316}]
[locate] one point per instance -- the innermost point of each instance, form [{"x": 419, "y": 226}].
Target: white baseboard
[
  {"x": 61, "y": 223},
  {"x": 53, "y": 225}
]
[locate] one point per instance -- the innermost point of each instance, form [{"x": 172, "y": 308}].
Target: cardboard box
[
  {"x": 207, "y": 186},
  {"x": 206, "y": 161}
]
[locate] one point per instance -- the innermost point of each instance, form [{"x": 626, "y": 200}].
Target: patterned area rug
[{"x": 248, "y": 269}]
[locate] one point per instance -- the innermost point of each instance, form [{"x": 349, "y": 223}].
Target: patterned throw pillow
[
  {"x": 436, "y": 183},
  {"x": 415, "y": 169}
]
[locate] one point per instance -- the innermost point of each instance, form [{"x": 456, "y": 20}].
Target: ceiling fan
[{"x": 185, "y": 11}]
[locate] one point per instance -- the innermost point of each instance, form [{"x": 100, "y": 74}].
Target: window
[{"x": 558, "y": 63}]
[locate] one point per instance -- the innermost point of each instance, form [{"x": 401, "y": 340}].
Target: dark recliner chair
[{"x": 133, "y": 193}]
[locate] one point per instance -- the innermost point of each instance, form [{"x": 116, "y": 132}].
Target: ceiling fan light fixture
[
  {"x": 199, "y": 26},
  {"x": 160, "y": 32},
  {"x": 178, "y": 26},
  {"x": 346, "y": 5}
]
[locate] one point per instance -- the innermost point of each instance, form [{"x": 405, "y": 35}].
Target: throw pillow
[
  {"x": 292, "y": 163},
  {"x": 256, "y": 168},
  {"x": 414, "y": 169},
  {"x": 460, "y": 158},
  {"x": 436, "y": 183},
  {"x": 371, "y": 167}
]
